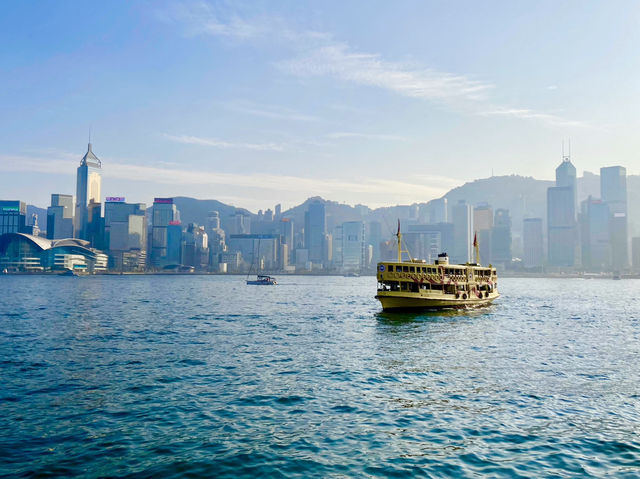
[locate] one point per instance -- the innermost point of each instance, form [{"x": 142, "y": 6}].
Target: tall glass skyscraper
[
  {"x": 613, "y": 188},
  {"x": 315, "y": 229},
  {"x": 561, "y": 216},
  {"x": 165, "y": 213},
  {"x": 88, "y": 187}
]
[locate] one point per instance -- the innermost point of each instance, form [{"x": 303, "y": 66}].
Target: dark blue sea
[{"x": 203, "y": 376}]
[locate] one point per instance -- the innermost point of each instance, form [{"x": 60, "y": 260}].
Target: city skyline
[{"x": 257, "y": 104}]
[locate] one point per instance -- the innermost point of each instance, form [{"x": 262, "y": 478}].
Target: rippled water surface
[{"x": 155, "y": 376}]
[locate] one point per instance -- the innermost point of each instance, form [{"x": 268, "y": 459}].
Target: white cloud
[
  {"x": 270, "y": 111},
  {"x": 217, "y": 143},
  {"x": 339, "y": 135},
  {"x": 318, "y": 54},
  {"x": 525, "y": 114},
  {"x": 339, "y": 61},
  {"x": 250, "y": 190}
]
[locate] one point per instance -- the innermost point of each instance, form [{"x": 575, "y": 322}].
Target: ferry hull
[{"x": 397, "y": 302}]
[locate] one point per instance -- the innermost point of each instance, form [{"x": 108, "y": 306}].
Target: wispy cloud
[
  {"x": 270, "y": 111},
  {"x": 339, "y": 135},
  {"x": 339, "y": 61},
  {"x": 364, "y": 189},
  {"x": 316, "y": 54},
  {"x": 525, "y": 114},
  {"x": 217, "y": 143}
]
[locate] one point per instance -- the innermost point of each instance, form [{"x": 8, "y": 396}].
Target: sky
[{"x": 266, "y": 102}]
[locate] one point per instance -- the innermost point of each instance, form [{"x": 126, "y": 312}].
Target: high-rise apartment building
[
  {"x": 88, "y": 188},
  {"x": 60, "y": 217}
]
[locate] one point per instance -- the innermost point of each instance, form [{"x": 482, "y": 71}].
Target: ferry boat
[{"x": 414, "y": 284}]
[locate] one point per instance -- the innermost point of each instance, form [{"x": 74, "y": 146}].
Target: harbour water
[{"x": 173, "y": 376}]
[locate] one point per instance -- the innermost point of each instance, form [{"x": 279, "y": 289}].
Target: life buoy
[
  {"x": 457, "y": 295},
  {"x": 464, "y": 296}
]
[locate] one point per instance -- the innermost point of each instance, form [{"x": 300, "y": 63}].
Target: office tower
[
  {"x": 195, "y": 247},
  {"x": 164, "y": 212},
  {"x": 125, "y": 233},
  {"x": 95, "y": 225},
  {"x": 501, "y": 238},
  {"x": 462, "y": 216},
  {"x": 635, "y": 253},
  {"x": 217, "y": 239},
  {"x": 561, "y": 223},
  {"x": 174, "y": 244},
  {"x": 60, "y": 217},
  {"x": 596, "y": 244},
  {"x": 561, "y": 216},
  {"x": 353, "y": 246},
  {"x": 427, "y": 241},
  {"x": 482, "y": 226},
  {"x": 613, "y": 188},
  {"x": 532, "y": 239},
  {"x": 13, "y": 217},
  {"x": 315, "y": 229},
  {"x": 259, "y": 252},
  {"x": 286, "y": 237},
  {"x": 240, "y": 224},
  {"x": 87, "y": 190},
  {"x": 438, "y": 211},
  {"x": 278, "y": 211},
  {"x": 374, "y": 238}
]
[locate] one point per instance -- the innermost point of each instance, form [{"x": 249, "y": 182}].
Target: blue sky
[{"x": 255, "y": 103}]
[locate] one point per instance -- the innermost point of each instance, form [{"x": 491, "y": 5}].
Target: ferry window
[
  {"x": 390, "y": 268},
  {"x": 424, "y": 270},
  {"x": 405, "y": 269},
  {"x": 412, "y": 269}
]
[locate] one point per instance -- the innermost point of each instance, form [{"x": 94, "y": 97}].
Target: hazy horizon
[{"x": 255, "y": 104}]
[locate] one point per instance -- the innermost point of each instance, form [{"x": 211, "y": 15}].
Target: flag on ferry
[{"x": 475, "y": 240}]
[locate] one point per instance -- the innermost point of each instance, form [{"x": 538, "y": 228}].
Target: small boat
[
  {"x": 263, "y": 279},
  {"x": 413, "y": 284}
]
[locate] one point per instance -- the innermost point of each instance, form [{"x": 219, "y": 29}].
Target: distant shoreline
[{"x": 503, "y": 274}]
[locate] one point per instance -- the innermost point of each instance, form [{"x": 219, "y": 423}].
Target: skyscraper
[
  {"x": 462, "y": 232},
  {"x": 125, "y": 232},
  {"x": 532, "y": 239},
  {"x": 87, "y": 190},
  {"x": 13, "y": 217},
  {"x": 60, "y": 217},
  {"x": 613, "y": 188},
  {"x": 501, "y": 238},
  {"x": 482, "y": 226},
  {"x": 353, "y": 246},
  {"x": 164, "y": 214},
  {"x": 315, "y": 229},
  {"x": 596, "y": 245},
  {"x": 561, "y": 216}
]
